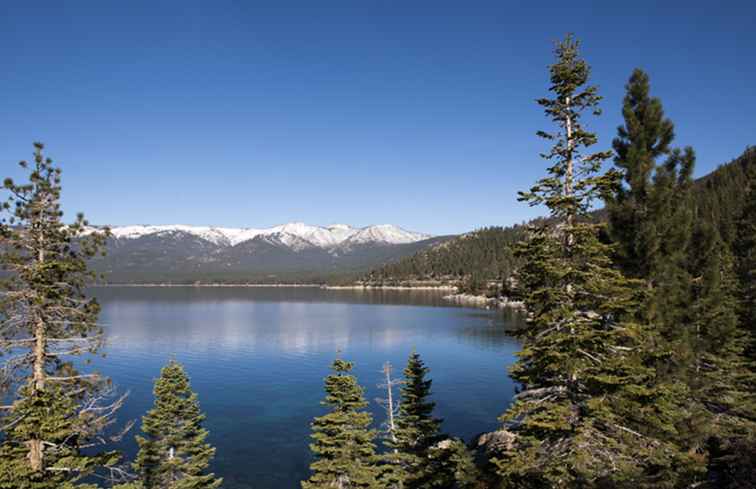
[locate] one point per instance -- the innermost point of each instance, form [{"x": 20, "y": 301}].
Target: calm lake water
[{"x": 257, "y": 358}]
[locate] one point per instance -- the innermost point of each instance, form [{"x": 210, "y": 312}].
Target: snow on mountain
[
  {"x": 341, "y": 231},
  {"x": 296, "y": 235},
  {"x": 318, "y": 236},
  {"x": 213, "y": 235},
  {"x": 384, "y": 233}
]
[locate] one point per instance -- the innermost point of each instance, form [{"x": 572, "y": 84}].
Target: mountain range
[{"x": 293, "y": 252}]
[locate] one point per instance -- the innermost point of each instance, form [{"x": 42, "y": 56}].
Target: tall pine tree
[
  {"x": 417, "y": 430},
  {"x": 591, "y": 409},
  {"x": 419, "y": 455},
  {"x": 173, "y": 453},
  {"x": 343, "y": 445},
  {"x": 645, "y": 137},
  {"x": 649, "y": 215},
  {"x": 47, "y": 319}
]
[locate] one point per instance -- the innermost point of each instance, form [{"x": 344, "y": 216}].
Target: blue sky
[{"x": 420, "y": 114}]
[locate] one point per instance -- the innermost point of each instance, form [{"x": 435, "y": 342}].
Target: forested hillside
[
  {"x": 475, "y": 259},
  {"x": 720, "y": 195}
]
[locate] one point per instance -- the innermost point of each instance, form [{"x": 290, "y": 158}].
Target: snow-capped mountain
[
  {"x": 289, "y": 252},
  {"x": 291, "y": 233}
]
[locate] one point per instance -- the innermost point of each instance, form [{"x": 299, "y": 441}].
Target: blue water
[{"x": 257, "y": 358}]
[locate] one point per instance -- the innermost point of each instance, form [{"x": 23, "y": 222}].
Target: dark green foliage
[
  {"x": 745, "y": 250},
  {"x": 475, "y": 260},
  {"x": 416, "y": 428},
  {"x": 592, "y": 409},
  {"x": 173, "y": 453},
  {"x": 452, "y": 466},
  {"x": 677, "y": 237},
  {"x": 471, "y": 260},
  {"x": 646, "y": 136},
  {"x": 343, "y": 445},
  {"x": 721, "y": 196},
  {"x": 48, "y": 319},
  {"x": 721, "y": 377},
  {"x": 48, "y": 415},
  {"x": 729, "y": 366},
  {"x": 650, "y": 215},
  {"x": 418, "y": 455},
  {"x": 592, "y": 405}
]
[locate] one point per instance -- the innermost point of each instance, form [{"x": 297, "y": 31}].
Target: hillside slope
[{"x": 474, "y": 259}]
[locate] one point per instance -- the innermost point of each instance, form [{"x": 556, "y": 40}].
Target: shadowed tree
[
  {"x": 650, "y": 214},
  {"x": 416, "y": 428},
  {"x": 173, "y": 454},
  {"x": 421, "y": 456},
  {"x": 745, "y": 254}
]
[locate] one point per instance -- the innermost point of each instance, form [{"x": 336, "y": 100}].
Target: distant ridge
[
  {"x": 320, "y": 236},
  {"x": 289, "y": 253}
]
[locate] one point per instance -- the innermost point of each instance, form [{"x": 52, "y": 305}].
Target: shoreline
[
  {"x": 484, "y": 302},
  {"x": 319, "y": 286},
  {"x": 471, "y": 300},
  {"x": 212, "y": 285},
  {"x": 392, "y": 287}
]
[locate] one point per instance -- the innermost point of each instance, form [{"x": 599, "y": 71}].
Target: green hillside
[{"x": 477, "y": 259}]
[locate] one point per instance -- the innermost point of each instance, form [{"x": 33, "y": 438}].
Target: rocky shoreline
[
  {"x": 392, "y": 287},
  {"x": 483, "y": 301}
]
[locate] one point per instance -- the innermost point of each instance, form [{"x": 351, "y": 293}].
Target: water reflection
[{"x": 257, "y": 357}]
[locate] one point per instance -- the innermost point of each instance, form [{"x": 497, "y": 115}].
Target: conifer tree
[
  {"x": 416, "y": 427},
  {"x": 173, "y": 454},
  {"x": 729, "y": 385},
  {"x": 721, "y": 377},
  {"x": 649, "y": 215},
  {"x": 47, "y": 319},
  {"x": 417, "y": 430},
  {"x": 592, "y": 408},
  {"x": 645, "y": 137},
  {"x": 343, "y": 445}
]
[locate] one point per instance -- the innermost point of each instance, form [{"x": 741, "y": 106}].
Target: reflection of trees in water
[
  {"x": 496, "y": 330},
  {"x": 273, "y": 294}
]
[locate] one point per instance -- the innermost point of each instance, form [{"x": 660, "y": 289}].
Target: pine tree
[
  {"x": 721, "y": 377},
  {"x": 416, "y": 427},
  {"x": 417, "y": 430},
  {"x": 592, "y": 408},
  {"x": 343, "y": 445},
  {"x": 48, "y": 319},
  {"x": 731, "y": 364},
  {"x": 173, "y": 454},
  {"x": 650, "y": 217},
  {"x": 645, "y": 137}
]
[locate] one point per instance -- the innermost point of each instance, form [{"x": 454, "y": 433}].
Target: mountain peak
[{"x": 327, "y": 237}]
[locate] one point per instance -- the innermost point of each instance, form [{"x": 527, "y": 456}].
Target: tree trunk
[
  {"x": 569, "y": 173},
  {"x": 390, "y": 408},
  {"x": 40, "y": 347},
  {"x": 36, "y": 448}
]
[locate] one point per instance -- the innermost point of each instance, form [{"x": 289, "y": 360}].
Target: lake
[{"x": 257, "y": 358}]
